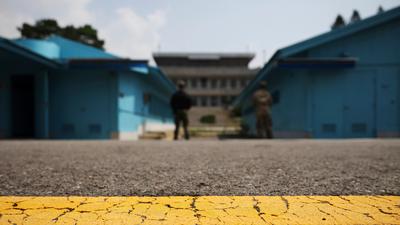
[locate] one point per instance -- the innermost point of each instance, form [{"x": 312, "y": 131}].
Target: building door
[
  {"x": 359, "y": 120},
  {"x": 22, "y": 106},
  {"x": 327, "y": 103},
  {"x": 388, "y": 107}
]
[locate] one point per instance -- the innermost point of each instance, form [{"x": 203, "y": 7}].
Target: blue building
[
  {"x": 341, "y": 84},
  {"x": 62, "y": 89}
]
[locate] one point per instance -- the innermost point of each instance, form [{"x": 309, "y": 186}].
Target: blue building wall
[
  {"x": 81, "y": 105},
  {"x": 362, "y": 101},
  {"x": 140, "y": 103},
  {"x": 131, "y": 109}
]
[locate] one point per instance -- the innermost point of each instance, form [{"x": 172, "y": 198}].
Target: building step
[{"x": 153, "y": 135}]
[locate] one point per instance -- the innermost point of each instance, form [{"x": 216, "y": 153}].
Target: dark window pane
[
  {"x": 203, "y": 101},
  {"x": 233, "y": 83},
  {"x": 213, "y": 83},
  {"x": 203, "y": 82},
  {"x": 223, "y": 83},
  {"x": 214, "y": 101},
  {"x": 194, "y": 83}
]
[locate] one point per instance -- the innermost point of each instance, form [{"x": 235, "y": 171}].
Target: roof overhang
[
  {"x": 9, "y": 46},
  {"x": 109, "y": 64},
  {"x": 202, "y": 56},
  {"x": 317, "y": 63}
]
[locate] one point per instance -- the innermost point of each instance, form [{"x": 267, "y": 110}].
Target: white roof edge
[{"x": 204, "y": 55}]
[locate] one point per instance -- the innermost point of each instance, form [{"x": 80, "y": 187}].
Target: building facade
[
  {"x": 212, "y": 80},
  {"x": 62, "y": 89},
  {"x": 341, "y": 84}
]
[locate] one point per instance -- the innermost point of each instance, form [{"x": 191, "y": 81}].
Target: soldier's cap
[
  {"x": 263, "y": 84},
  {"x": 181, "y": 84}
]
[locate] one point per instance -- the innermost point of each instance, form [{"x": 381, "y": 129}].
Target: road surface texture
[{"x": 200, "y": 168}]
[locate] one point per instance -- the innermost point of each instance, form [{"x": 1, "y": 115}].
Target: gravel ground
[{"x": 236, "y": 167}]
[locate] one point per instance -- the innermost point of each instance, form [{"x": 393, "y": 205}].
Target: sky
[{"x": 137, "y": 28}]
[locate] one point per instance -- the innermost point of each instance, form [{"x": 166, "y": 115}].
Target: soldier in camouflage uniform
[
  {"x": 181, "y": 103},
  {"x": 263, "y": 101}
]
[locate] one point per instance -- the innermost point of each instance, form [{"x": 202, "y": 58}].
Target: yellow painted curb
[{"x": 201, "y": 210}]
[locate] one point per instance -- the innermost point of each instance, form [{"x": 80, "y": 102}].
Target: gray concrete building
[{"x": 213, "y": 79}]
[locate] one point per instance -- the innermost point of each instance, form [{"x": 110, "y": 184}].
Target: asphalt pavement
[{"x": 234, "y": 167}]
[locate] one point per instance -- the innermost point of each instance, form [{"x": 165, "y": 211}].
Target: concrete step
[{"x": 153, "y": 135}]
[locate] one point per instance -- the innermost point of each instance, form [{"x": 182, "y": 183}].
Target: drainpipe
[{"x": 45, "y": 102}]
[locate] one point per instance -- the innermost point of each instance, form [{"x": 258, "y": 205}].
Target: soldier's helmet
[
  {"x": 181, "y": 84},
  {"x": 263, "y": 84}
]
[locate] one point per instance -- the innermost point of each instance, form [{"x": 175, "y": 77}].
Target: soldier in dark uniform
[
  {"x": 181, "y": 103},
  {"x": 263, "y": 101}
]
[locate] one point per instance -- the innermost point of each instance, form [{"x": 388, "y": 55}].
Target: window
[
  {"x": 213, "y": 83},
  {"x": 233, "y": 84},
  {"x": 194, "y": 83},
  {"x": 223, "y": 83},
  {"x": 203, "y": 101},
  {"x": 214, "y": 101},
  {"x": 187, "y": 82},
  {"x": 228, "y": 99},
  {"x": 276, "y": 97},
  {"x": 203, "y": 82},
  {"x": 194, "y": 101}
]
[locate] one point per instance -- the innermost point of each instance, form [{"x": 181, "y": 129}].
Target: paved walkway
[
  {"x": 151, "y": 168},
  {"x": 201, "y": 210}
]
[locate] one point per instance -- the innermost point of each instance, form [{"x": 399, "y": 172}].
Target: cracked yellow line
[{"x": 201, "y": 210}]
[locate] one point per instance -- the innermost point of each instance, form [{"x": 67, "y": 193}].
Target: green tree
[
  {"x": 355, "y": 17},
  {"x": 380, "y": 10},
  {"x": 339, "y": 22},
  {"x": 43, "y": 28}
]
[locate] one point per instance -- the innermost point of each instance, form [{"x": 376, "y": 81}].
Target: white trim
[
  {"x": 125, "y": 135},
  {"x": 158, "y": 126}
]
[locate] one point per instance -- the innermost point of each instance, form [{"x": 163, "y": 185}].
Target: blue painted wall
[
  {"x": 133, "y": 110},
  {"x": 130, "y": 102},
  {"x": 81, "y": 104}
]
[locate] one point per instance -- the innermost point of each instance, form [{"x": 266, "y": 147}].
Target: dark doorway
[{"x": 22, "y": 106}]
